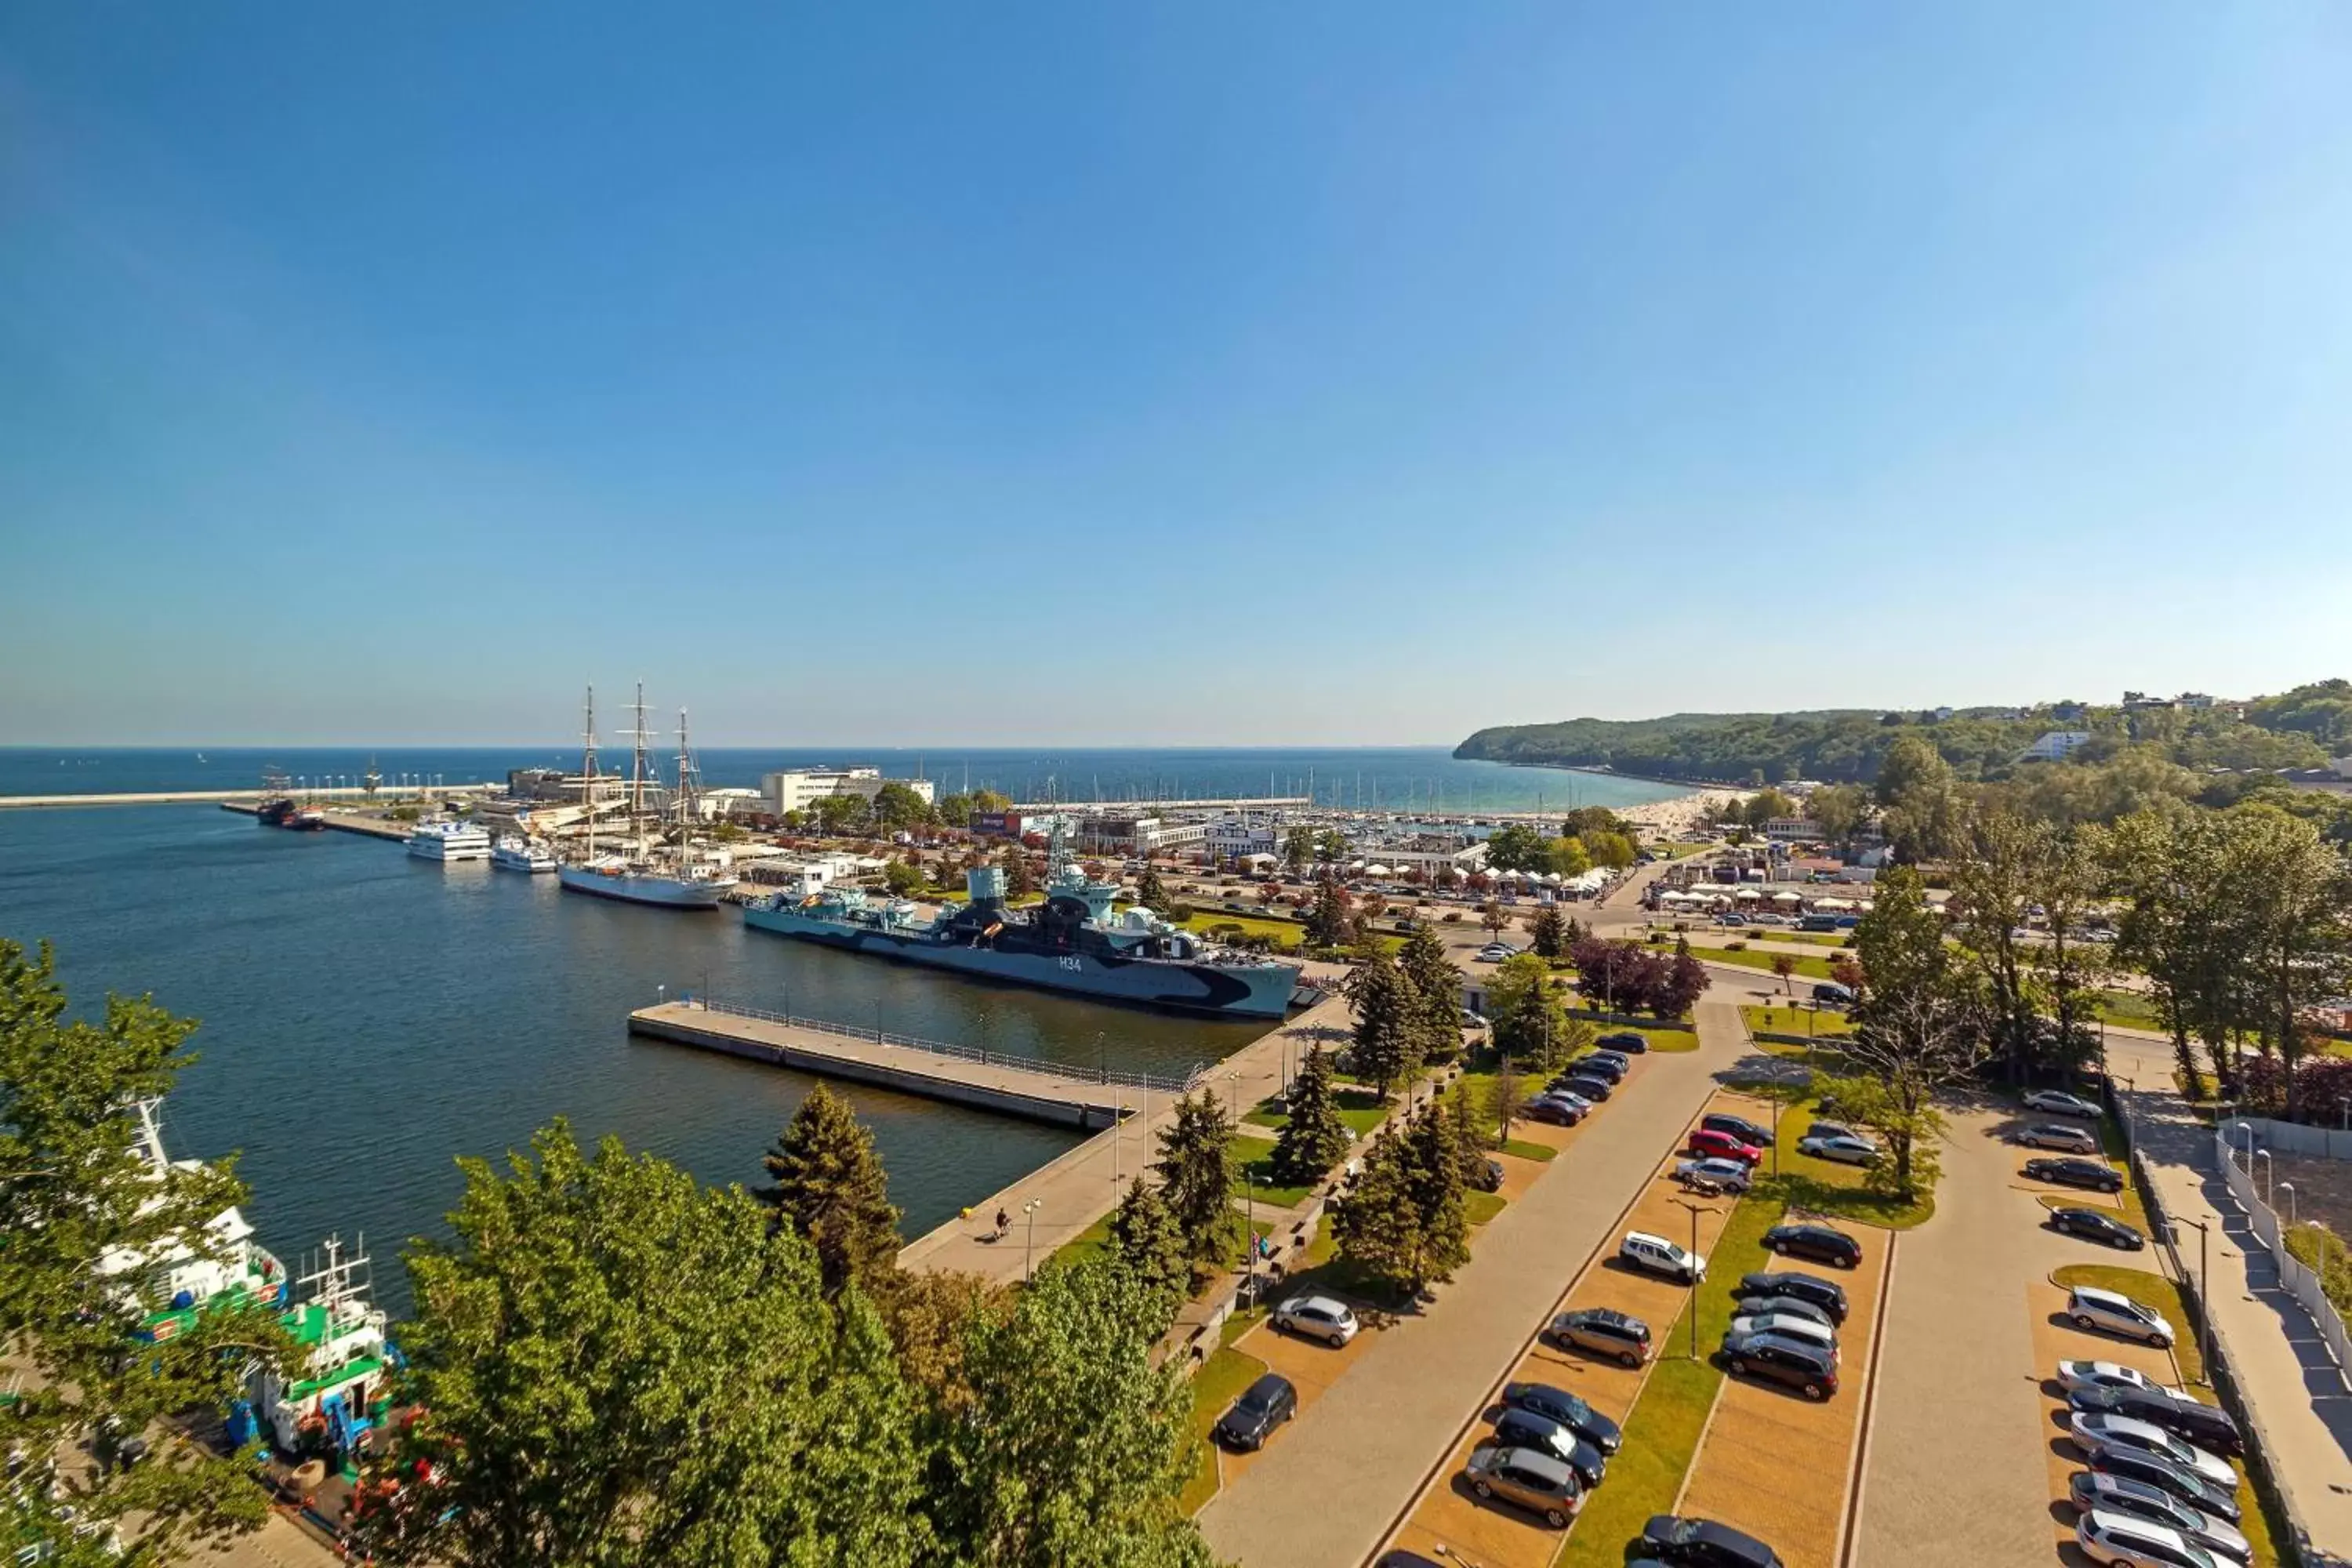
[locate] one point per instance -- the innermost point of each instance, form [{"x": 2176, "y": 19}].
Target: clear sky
[{"x": 1110, "y": 373}]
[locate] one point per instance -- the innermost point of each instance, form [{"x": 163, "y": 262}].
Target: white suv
[{"x": 1656, "y": 1255}]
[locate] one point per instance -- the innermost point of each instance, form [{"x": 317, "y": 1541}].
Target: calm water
[
  {"x": 367, "y": 1018},
  {"x": 1407, "y": 777}
]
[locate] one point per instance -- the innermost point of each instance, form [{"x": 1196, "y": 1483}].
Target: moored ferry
[
  {"x": 449, "y": 841},
  {"x": 515, "y": 853}
]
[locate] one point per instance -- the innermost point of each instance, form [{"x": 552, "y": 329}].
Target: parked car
[
  {"x": 2119, "y": 1494},
  {"x": 1558, "y": 1111},
  {"x": 2120, "y": 1540},
  {"x": 1818, "y": 1242},
  {"x": 2060, "y": 1136},
  {"x": 1826, "y": 1294},
  {"x": 1607, "y": 1064},
  {"x": 1843, "y": 1151},
  {"x": 2071, "y": 1173},
  {"x": 1830, "y": 993},
  {"x": 2096, "y": 1225},
  {"x": 2174, "y": 1480},
  {"x": 1472, "y": 1020},
  {"x": 1632, "y": 1041},
  {"x": 1803, "y": 1365},
  {"x": 2093, "y": 1433},
  {"x": 1400, "y": 1558},
  {"x": 1560, "y": 1405},
  {"x": 1533, "y": 1480},
  {"x": 1620, "y": 1336},
  {"x": 1619, "y": 1058},
  {"x": 1316, "y": 1318},
  {"x": 1487, "y": 1176},
  {"x": 1656, "y": 1255},
  {"x": 1788, "y": 1326},
  {"x": 2059, "y": 1103},
  {"x": 1713, "y": 1176},
  {"x": 1702, "y": 1543},
  {"x": 1525, "y": 1429},
  {"x": 1817, "y": 1128},
  {"x": 1263, "y": 1407},
  {"x": 1708, "y": 1145},
  {"x": 1739, "y": 1127},
  {"x": 1591, "y": 1084},
  {"x": 2207, "y": 1426},
  {"x": 2075, "y": 1375},
  {"x": 1785, "y": 1307},
  {"x": 2090, "y": 1307}
]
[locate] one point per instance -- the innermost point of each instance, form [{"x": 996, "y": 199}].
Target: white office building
[
  {"x": 801, "y": 788},
  {"x": 2056, "y": 746}
]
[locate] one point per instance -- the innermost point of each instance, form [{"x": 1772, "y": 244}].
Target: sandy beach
[{"x": 1680, "y": 817}]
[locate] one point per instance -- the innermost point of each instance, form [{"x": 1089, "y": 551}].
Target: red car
[{"x": 1723, "y": 1146}]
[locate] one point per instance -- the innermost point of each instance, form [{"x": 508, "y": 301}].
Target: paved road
[{"x": 1327, "y": 1493}]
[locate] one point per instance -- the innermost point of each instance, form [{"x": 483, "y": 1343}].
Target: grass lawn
[
  {"x": 1095, "y": 1239},
  {"x": 1362, "y": 1118},
  {"x": 1826, "y": 1187},
  {"x": 1662, "y": 1036},
  {"x": 2316, "y": 1249},
  {"x": 1255, "y": 1177},
  {"x": 1286, "y": 935},
  {"x": 2129, "y": 1010},
  {"x": 1788, "y": 1019},
  {"x": 2157, "y": 1291},
  {"x": 1748, "y": 958},
  {"x": 1483, "y": 1206},
  {"x": 1215, "y": 1386},
  {"x": 1524, "y": 1150}
]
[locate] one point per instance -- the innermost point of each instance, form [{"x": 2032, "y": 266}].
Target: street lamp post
[
  {"x": 2204, "y": 1302},
  {"x": 2269, "y": 1171},
  {"x": 2293, "y": 1210},
  {"x": 1029, "y": 1248},
  {"x": 1695, "y": 1210}
]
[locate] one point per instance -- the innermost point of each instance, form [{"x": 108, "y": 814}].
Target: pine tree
[
  {"x": 1315, "y": 1139},
  {"x": 1018, "y": 881},
  {"x": 1436, "y": 996},
  {"x": 1326, "y": 917},
  {"x": 1147, "y": 1242},
  {"x": 1386, "y": 1032},
  {"x": 829, "y": 1186},
  {"x": 1194, "y": 1181},
  {"x": 1437, "y": 1158},
  {"x": 1548, "y": 934},
  {"x": 1378, "y": 1225},
  {"x": 1149, "y": 892},
  {"x": 1469, "y": 1139}
]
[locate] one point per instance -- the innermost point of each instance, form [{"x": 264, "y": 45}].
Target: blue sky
[{"x": 1313, "y": 373}]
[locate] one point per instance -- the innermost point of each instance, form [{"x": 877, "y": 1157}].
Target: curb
[{"x": 1850, "y": 1520}]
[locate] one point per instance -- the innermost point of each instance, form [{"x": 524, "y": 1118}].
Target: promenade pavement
[
  {"x": 1330, "y": 1490},
  {"x": 279, "y": 1544}
]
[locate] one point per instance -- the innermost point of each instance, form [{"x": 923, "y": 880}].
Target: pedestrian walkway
[
  {"x": 2299, "y": 1395},
  {"x": 1326, "y": 1495}
]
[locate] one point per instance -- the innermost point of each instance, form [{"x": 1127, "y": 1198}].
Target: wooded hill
[{"x": 2297, "y": 729}]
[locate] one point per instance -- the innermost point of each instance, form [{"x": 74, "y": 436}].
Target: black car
[
  {"x": 1818, "y": 1242},
  {"x": 2207, "y": 1426},
  {"x": 1613, "y": 1068},
  {"x": 1553, "y": 1112},
  {"x": 1263, "y": 1407},
  {"x": 1400, "y": 1558},
  {"x": 1603, "y": 1331},
  {"x": 1826, "y": 1294},
  {"x": 1489, "y": 1176},
  {"x": 2071, "y": 1173},
  {"x": 1525, "y": 1429},
  {"x": 2174, "y": 1480},
  {"x": 2097, "y": 1226},
  {"x": 1558, "y": 1405},
  {"x": 1703, "y": 1543},
  {"x": 1627, "y": 1041},
  {"x": 1591, "y": 1084},
  {"x": 1810, "y": 1369},
  {"x": 1739, "y": 1127}
]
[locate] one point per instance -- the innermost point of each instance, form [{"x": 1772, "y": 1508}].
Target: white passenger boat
[
  {"x": 449, "y": 841},
  {"x": 514, "y": 853}
]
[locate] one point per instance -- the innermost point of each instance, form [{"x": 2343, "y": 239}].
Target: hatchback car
[
  {"x": 2115, "y": 1313},
  {"x": 2119, "y": 1494},
  {"x": 1711, "y": 1176},
  {"x": 1559, "y": 1112},
  {"x": 2092, "y": 1434},
  {"x": 1826, "y": 1294},
  {"x": 1787, "y": 1326},
  {"x": 1801, "y": 1365},
  {"x": 1629, "y": 1041},
  {"x": 2060, "y": 1136},
  {"x": 2058, "y": 1103},
  {"x": 1739, "y": 1127},
  {"x": 1525, "y": 1429},
  {"x": 2206, "y": 1426},
  {"x": 1533, "y": 1480},
  {"x": 1558, "y": 1405},
  {"x": 1709, "y": 1145},
  {"x": 2173, "y": 1480},
  {"x": 1818, "y": 1242},
  {"x": 2075, "y": 1375},
  {"x": 1316, "y": 1318},
  {"x": 1843, "y": 1151},
  {"x": 2120, "y": 1540},
  {"x": 1263, "y": 1407},
  {"x": 2095, "y": 1225},
  {"x": 1818, "y": 1128},
  {"x": 2066, "y": 1173},
  {"x": 1656, "y": 1255},
  {"x": 1605, "y": 1332},
  {"x": 1702, "y": 1543}
]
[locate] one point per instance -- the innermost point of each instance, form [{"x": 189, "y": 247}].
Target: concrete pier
[
  {"x": 249, "y": 798},
  {"x": 340, "y": 821}
]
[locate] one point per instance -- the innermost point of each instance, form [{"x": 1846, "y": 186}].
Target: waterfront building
[
  {"x": 1125, "y": 834},
  {"x": 797, "y": 789}
]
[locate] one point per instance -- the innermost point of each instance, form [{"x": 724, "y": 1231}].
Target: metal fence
[
  {"x": 2299, "y": 1282},
  {"x": 1155, "y": 1083}
]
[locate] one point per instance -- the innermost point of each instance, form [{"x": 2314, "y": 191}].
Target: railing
[{"x": 1155, "y": 1083}]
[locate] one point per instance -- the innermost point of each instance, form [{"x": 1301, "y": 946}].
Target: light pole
[
  {"x": 2293, "y": 1210},
  {"x": 1695, "y": 1210},
  {"x": 2204, "y": 1302},
  {"x": 1249, "y": 1233},
  {"x": 2269, "y": 1171},
  {"x": 1776, "y": 1137},
  {"x": 1029, "y": 1248}
]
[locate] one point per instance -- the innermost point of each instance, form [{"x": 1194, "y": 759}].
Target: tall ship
[
  {"x": 1070, "y": 943},
  {"x": 641, "y": 869},
  {"x": 449, "y": 841}
]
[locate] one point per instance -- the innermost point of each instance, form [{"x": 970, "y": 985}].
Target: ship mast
[
  {"x": 688, "y": 790},
  {"x": 637, "y": 774},
  {"x": 588, "y": 790}
]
